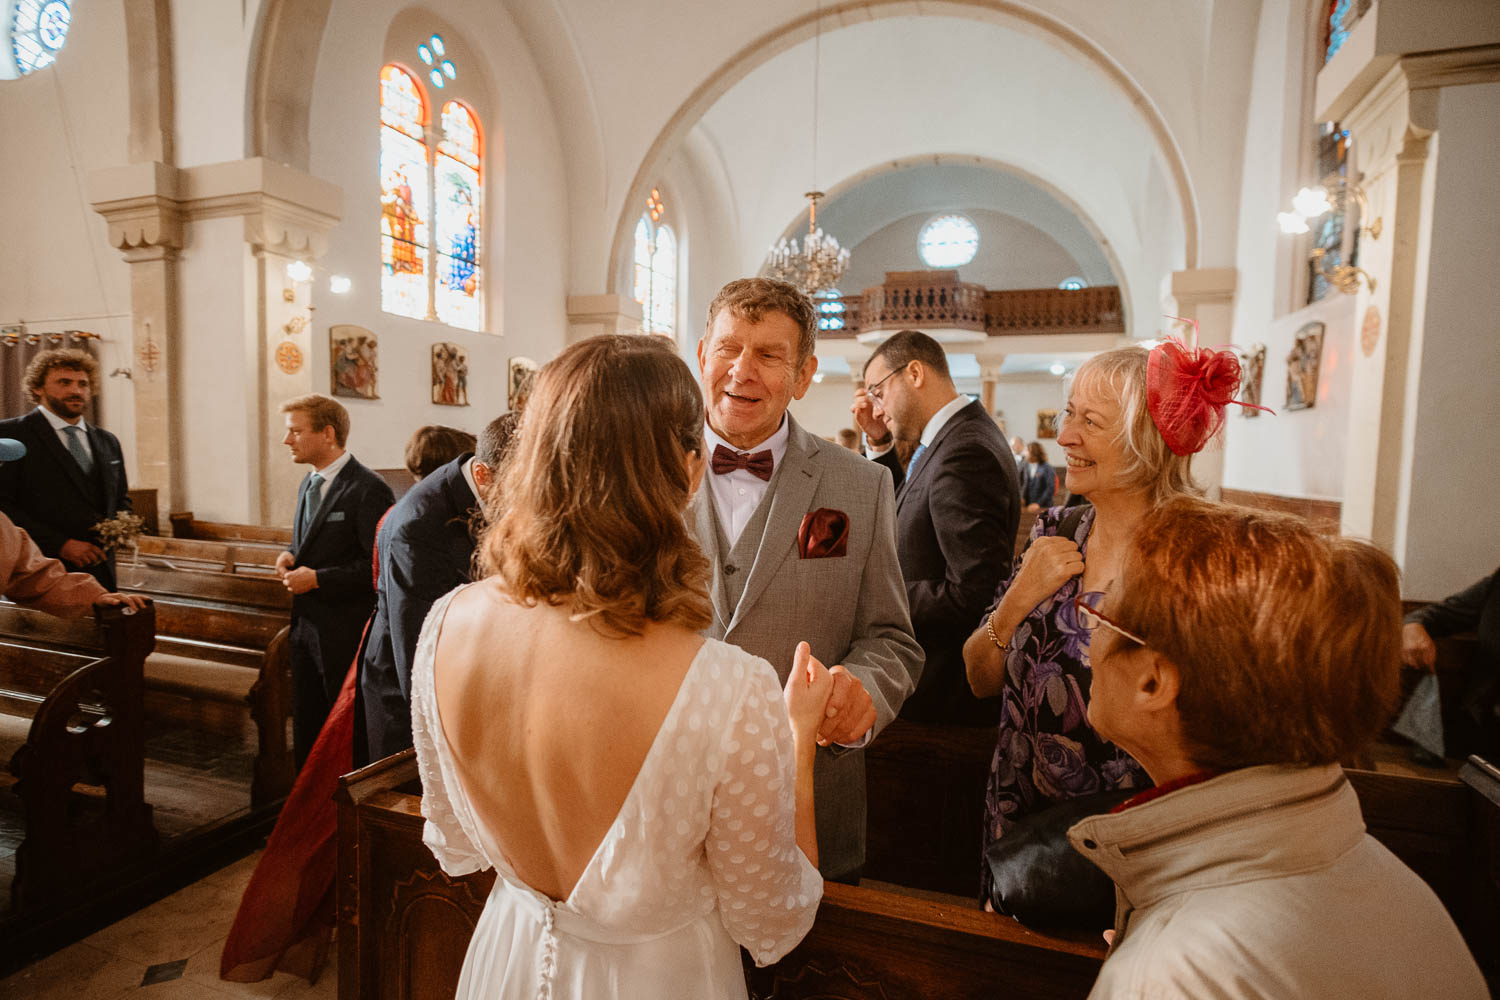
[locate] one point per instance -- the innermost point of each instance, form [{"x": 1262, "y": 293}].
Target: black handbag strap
[{"x": 1068, "y": 526}]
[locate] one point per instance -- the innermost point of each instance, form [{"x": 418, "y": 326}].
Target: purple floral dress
[{"x": 1047, "y": 751}]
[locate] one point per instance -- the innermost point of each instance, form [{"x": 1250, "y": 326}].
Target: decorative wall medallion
[
  {"x": 1046, "y": 423},
  {"x": 522, "y": 375},
  {"x": 1302, "y": 367},
  {"x": 1369, "y": 331},
  {"x": 150, "y": 355},
  {"x": 450, "y": 375},
  {"x": 354, "y": 356},
  {"x": 295, "y": 325},
  {"x": 289, "y": 357},
  {"x": 1254, "y": 375}
]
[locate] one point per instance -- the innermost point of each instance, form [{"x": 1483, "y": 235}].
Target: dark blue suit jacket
[
  {"x": 339, "y": 544},
  {"x": 47, "y": 494},
  {"x": 956, "y": 518},
  {"x": 426, "y": 550}
]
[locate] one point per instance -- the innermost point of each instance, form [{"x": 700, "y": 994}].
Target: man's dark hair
[
  {"x": 433, "y": 447},
  {"x": 495, "y": 440},
  {"x": 902, "y": 348}
]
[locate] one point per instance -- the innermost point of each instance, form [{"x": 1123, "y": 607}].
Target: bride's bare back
[{"x": 549, "y": 723}]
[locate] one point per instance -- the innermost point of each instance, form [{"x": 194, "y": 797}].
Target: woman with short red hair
[{"x": 1238, "y": 657}]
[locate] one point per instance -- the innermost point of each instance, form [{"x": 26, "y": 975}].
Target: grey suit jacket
[{"x": 850, "y": 609}]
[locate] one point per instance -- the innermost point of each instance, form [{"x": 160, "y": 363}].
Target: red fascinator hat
[{"x": 1187, "y": 390}]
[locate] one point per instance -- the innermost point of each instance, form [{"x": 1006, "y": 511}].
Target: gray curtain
[{"x": 17, "y": 349}]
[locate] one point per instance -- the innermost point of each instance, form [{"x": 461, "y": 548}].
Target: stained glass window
[
  {"x": 948, "y": 241},
  {"x": 830, "y": 310},
  {"x": 403, "y": 195},
  {"x": 655, "y": 271},
  {"x": 38, "y": 29},
  {"x": 1336, "y": 27},
  {"x": 459, "y": 276},
  {"x": 1072, "y": 284},
  {"x": 1328, "y": 229}
]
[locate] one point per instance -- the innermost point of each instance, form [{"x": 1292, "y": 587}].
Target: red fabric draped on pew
[{"x": 285, "y": 920}]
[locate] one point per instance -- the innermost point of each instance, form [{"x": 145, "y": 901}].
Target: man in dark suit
[
  {"x": 957, "y": 507},
  {"x": 426, "y": 549},
  {"x": 330, "y": 567},
  {"x": 73, "y": 475}
]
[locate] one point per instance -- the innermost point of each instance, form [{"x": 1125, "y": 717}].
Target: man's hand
[
  {"x": 131, "y": 602},
  {"x": 284, "y": 564},
  {"x": 863, "y": 408},
  {"x": 850, "y": 712},
  {"x": 1417, "y": 648},
  {"x": 77, "y": 552},
  {"x": 301, "y": 580}
]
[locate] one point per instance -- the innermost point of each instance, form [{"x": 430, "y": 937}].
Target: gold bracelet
[{"x": 989, "y": 628}]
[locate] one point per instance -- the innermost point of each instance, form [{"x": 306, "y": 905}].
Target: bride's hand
[{"x": 807, "y": 689}]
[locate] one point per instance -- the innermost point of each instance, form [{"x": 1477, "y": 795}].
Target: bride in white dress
[{"x": 644, "y": 795}]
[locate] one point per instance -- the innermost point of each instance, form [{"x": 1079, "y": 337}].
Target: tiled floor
[{"x": 190, "y": 924}]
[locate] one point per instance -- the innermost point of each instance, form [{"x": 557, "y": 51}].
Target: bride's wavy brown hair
[{"x": 590, "y": 513}]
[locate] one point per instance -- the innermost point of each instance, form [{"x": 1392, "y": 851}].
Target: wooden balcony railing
[{"x": 937, "y": 299}]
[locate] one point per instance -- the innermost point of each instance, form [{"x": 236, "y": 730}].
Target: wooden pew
[
  {"x": 78, "y": 761},
  {"x": 184, "y": 525},
  {"x": 404, "y": 926},
  {"x": 223, "y": 637},
  {"x": 192, "y": 553}
]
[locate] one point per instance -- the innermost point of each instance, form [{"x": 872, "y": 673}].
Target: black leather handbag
[{"x": 1038, "y": 878}]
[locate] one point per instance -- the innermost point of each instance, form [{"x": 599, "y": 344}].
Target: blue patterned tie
[
  {"x": 916, "y": 456},
  {"x": 311, "y": 499},
  {"x": 79, "y": 450}
]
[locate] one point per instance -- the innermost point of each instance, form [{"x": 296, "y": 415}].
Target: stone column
[
  {"x": 592, "y": 315},
  {"x": 1206, "y": 294}
]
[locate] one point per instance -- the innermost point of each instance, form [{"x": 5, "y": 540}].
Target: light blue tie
[
  {"x": 311, "y": 499},
  {"x": 79, "y": 450},
  {"x": 916, "y": 456}
]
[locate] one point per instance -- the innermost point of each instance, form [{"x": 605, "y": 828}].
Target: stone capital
[{"x": 141, "y": 206}]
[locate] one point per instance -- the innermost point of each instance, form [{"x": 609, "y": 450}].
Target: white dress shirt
[
  {"x": 468, "y": 468},
  {"x": 329, "y": 473},
  {"x": 58, "y": 423},
  {"x": 736, "y": 494},
  {"x": 936, "y": 423}
]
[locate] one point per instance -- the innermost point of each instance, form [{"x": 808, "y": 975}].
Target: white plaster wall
[
  {"x": 1011, "y": 254},
  {"x": 57, "y": 269},
  {"x": 525, "y": 209},
  {"x": 1019, "y": 398},
  {"x": 1456, "y": 360},
  {"x": 825, "y": 408},
  {"x": 210, "y": 56}
]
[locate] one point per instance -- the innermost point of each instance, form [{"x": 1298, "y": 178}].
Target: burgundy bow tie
[{"x": 758, "y": 465}]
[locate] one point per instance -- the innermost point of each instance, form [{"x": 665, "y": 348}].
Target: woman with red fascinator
[{"x": 1132, "y": 423}]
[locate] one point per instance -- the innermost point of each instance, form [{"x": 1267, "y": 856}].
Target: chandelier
[{"x": 816, "y": 264}]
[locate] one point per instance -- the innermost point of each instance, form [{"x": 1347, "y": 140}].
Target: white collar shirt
[
  {"x": 934, "y": 424},
  {"x": 737, "y": 494},
  {"x": 59, "y": 425},
  {"x": 468, "y": 468},
  {"x": 330, "y": 472}
]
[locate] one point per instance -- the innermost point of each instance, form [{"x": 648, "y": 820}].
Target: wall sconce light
[{"x": 1313, "y": 203}]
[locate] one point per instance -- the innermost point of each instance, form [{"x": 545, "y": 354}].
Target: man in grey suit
[{"x": 802, "y": 537}]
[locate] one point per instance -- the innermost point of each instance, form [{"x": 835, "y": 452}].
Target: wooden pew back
[
  {"x": 184, "y": 525},
  {"x": 192, "y": 553}
]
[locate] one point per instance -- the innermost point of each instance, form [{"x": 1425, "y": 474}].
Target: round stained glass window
[
  {"x": 1072, "y": 284},
  {"x": 38, "y": 29},
  {"x": 948, "y": 241}
]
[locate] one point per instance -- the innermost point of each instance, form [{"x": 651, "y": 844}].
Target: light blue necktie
[
  {"x": 311, "y": 499},
  {"x": 79, "y": 450},
  {"x": 916, "y": 456}
]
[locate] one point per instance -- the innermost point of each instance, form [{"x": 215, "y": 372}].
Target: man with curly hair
[{"x": 73, "y": 474}]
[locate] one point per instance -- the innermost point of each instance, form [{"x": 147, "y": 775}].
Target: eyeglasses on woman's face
[{"x": 1090, "y": 617}]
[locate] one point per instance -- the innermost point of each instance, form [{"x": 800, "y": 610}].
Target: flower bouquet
[{"x": 117, "y": 532}]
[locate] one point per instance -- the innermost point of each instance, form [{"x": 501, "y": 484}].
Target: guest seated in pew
[
  {"x": 1474, "y": 609},
  {"x": 1128, "y": 457},
  {"x": 644, "y": 794},
  {"x": 425, "y": 548},
  {"x": 35, "y": 581},
  {"x": 1040, "y": 482},
  {"x": 1239, "y": 655},
  {"x": 434, "y": 446}
]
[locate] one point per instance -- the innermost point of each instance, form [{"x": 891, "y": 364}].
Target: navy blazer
[
  {"x": 339, "y": 544},
  {"x": 956, "y": 516},
  {"x": 426, "y": 549},
  {"x": 47, "y": 494}
]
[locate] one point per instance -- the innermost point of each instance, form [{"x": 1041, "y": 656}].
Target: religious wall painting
[
  {"x": 354, "y": 356},
  {"x": 1369, "y": 331},
  {"x": 450, "y": 375},
  {"x": 1046, "y": 423},
  {"x": 522, "y": 375},
  {"x": 1252, "y": 377},
  {"x": 1302, "y": 366}
]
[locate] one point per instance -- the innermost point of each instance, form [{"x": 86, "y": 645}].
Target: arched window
[
  {"x": 656, "y": 269},
  {"x": 431, "y": 197},
  {"x": 458, "y": 218},
  {"x": 1329, "y": 231},
  {"x": 404, "y": 197},
  {"x": 1073, "y": 284},
  {"x": 830, "y": 309},
  {"x": 36, "y": 33}
]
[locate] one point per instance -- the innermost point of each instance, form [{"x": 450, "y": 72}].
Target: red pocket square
[{"x": 823, "y": 535}]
